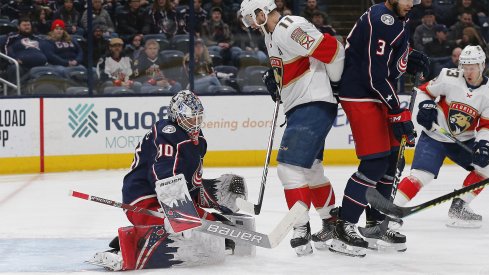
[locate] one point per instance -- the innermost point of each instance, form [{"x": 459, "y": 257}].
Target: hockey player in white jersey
[
  {"x": 305, "y": 65},
  {"x": 462, "y": 109}
]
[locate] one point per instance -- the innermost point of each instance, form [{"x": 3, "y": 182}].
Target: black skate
[
  {"x": 390, "y": 240},
  {"x": 325, "y": 234},
  {"x": 346, "y": 240},
  {"x": 461, "y": 215},
  {"x": 301, "y": 240}
]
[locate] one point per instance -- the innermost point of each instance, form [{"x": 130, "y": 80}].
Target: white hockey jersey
[
  {"x": 461, "y": 110},
  {"x": 304, "y": 60}
]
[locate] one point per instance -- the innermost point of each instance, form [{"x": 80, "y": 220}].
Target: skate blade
[
  {"x": 382, "y": 246},
  {"x": 303, "y": 250},
  {"x": 340, "y": 247},
  {"x": 322, "y": 245},
  {"x": 457, "y": 223}
]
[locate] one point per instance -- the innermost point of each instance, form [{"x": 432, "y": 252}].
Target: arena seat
[{"x": 181, "y": 42}]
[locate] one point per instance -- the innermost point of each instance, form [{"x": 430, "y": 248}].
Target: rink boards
[{"x": 64, "y": 134}]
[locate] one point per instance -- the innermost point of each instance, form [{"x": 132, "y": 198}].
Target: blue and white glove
[
  {"x": 427, "y": 114},
  {"x": 269, "y": 80},
  {"x": 481, "y": 153}
]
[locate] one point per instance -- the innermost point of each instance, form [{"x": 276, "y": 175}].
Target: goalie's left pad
[
  {"x": 221, "y": 193},
  {"x": 176, "y": 203},
  {"x": 145, "y": 247}
]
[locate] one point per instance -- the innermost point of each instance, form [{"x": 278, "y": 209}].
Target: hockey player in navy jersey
[
  {"x": 461, "y": 107},
  {"x": 377, "y": 54},
  {"x": 174, "y": 147},
  {"x": 306, "y": 66}
]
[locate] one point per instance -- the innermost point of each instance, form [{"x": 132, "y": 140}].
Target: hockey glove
[
  {"x": 418, "y": 62},
  {"x": 427, "y": 114},
  {"x": 221, "y": 193},
  {"x": 402, "y": 125},
  {"x": 481, "y": 153},
  {"x": 269, "y": 80},
  {"x": 335, "y": 87}
]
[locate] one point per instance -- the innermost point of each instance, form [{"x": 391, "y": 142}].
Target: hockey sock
[
  {"x": 408, "y": 188},
  {"x": 323, "y": 199},
  {"x": 384, "y": 186},
  {"x": 299, "y": 194},
  {"x": 354, "y": 201},
  {"x": 471, "y": 178}
]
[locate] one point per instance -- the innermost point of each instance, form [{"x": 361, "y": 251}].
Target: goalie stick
[
  {"x": 389, "y": 208},
  {"x": 219, "y": 229}
]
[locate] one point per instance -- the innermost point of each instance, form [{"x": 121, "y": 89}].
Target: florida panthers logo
[
  {"x": 278, "y": 68},
  {"x": 460, "y": 117}
]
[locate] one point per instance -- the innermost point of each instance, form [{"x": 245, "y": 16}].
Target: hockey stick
[
  {"x": 246, "y": 205},
  {"x": 389, "y": 208},
  {"x": 234, "y": 233},
  {"x": 437, "y": 128}
]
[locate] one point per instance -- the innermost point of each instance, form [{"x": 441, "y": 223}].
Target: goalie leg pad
[
  {"x": 247, "y": 222},
  {"x": 221, "y": 193},
  {"x": 146, "y": 247}
]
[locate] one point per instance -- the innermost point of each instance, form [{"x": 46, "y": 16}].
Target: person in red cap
[{"x": 60, "y": 48}]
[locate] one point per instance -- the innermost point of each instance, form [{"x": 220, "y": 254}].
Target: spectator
[
  {"x": 440, "y": 46},
  {"x": 319, "y": 21},
  {"x": 454, "y": 58},
  {"x": 100, "y": 45},
  {"x": 417, "y": 12},
  {"x": 148, "y": 68},
  {"x": 445, "y": 12},
  {"x": 115, "y": 69},
  {"x": 130, "y": 21},
  {"x": 60, "y": 49},
  {"x": 70, "y": 16},
  {"x": 211, "y": 5},
  {"x": 161, "y": 18},
  {"x": 311, "y": 7},
  {"x": 217, "y": 36},
  {"x": 249, "y": 40},
  {"x": 40, "y": 23},
  {"x": 204, "y": 77},
  {"x": 200, "y": 19},
  {"x": 456, "y": 31},
  {"x": 135, "y": 48},
  {"x": 424, "y": 33},
  {"x": 470, "y": 36},
  {"x": 100, "y": 17},
  {"x": 470, "y": 6},
  {"x": 282, "y": 8},
  {"x": 25, "y": 48}
]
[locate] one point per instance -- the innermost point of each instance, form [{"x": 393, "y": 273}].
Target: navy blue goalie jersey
[
  {"x": 165, "y": 151},
  {"x": 377, "y": 50}
]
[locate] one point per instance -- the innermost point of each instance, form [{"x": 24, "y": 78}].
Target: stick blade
[
  {"x": 382, "y": 204},
  {"x": 246, "y": 206},
  {"x": 286, "y": 224}
]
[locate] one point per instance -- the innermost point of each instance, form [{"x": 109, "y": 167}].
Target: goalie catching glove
[{"x": 221, "y": 193}]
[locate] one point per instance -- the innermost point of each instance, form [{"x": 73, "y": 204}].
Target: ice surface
[{"x": 43, "y": 230}]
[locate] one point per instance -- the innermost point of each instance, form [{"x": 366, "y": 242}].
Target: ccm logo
[
  {"x": 395, "y": 118},
  {"x": 234, "y": 233}
]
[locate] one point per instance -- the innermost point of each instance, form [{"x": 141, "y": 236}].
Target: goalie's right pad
[
  {"x": 144, "y": 247},
  {"x": 221, "y": 193}
]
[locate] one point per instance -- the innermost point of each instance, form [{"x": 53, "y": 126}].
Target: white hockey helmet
[
  {"x": 416, "y": 2},
  {"x": 248, "y": 8},
  {"x": 473, "y": 55},
  {"x": 187, "y": 111}
]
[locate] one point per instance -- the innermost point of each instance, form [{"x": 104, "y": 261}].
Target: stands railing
[{"x": 17, "y": 76}]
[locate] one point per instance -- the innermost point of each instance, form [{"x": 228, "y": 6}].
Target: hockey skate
[
  {"x": 324, "y": 235},
  {"x": 346, "y": 240},
  {"x": 390, "y": 240},
  {"x": 110, "y": 260},
  {"x": 301, "y": 240},
  {"x": 461, "y": 215}
]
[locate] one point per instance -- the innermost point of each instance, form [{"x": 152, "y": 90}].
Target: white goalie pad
[{"x": 223, "y": 191}]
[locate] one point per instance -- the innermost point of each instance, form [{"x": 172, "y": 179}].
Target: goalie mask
[
  {"x": 473, "y": 55},
  {"x": 187, "y": 111},
  {"x": 249, "y": 9}
]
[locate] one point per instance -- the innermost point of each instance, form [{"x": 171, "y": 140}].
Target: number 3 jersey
[
  {"x": 462, "y": 109},
  {"x": 298, "y": 53},
  {"x": 164, "y": 152}
]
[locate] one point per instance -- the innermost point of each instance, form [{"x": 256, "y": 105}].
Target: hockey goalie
[{"x": 166, "y": 176}]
